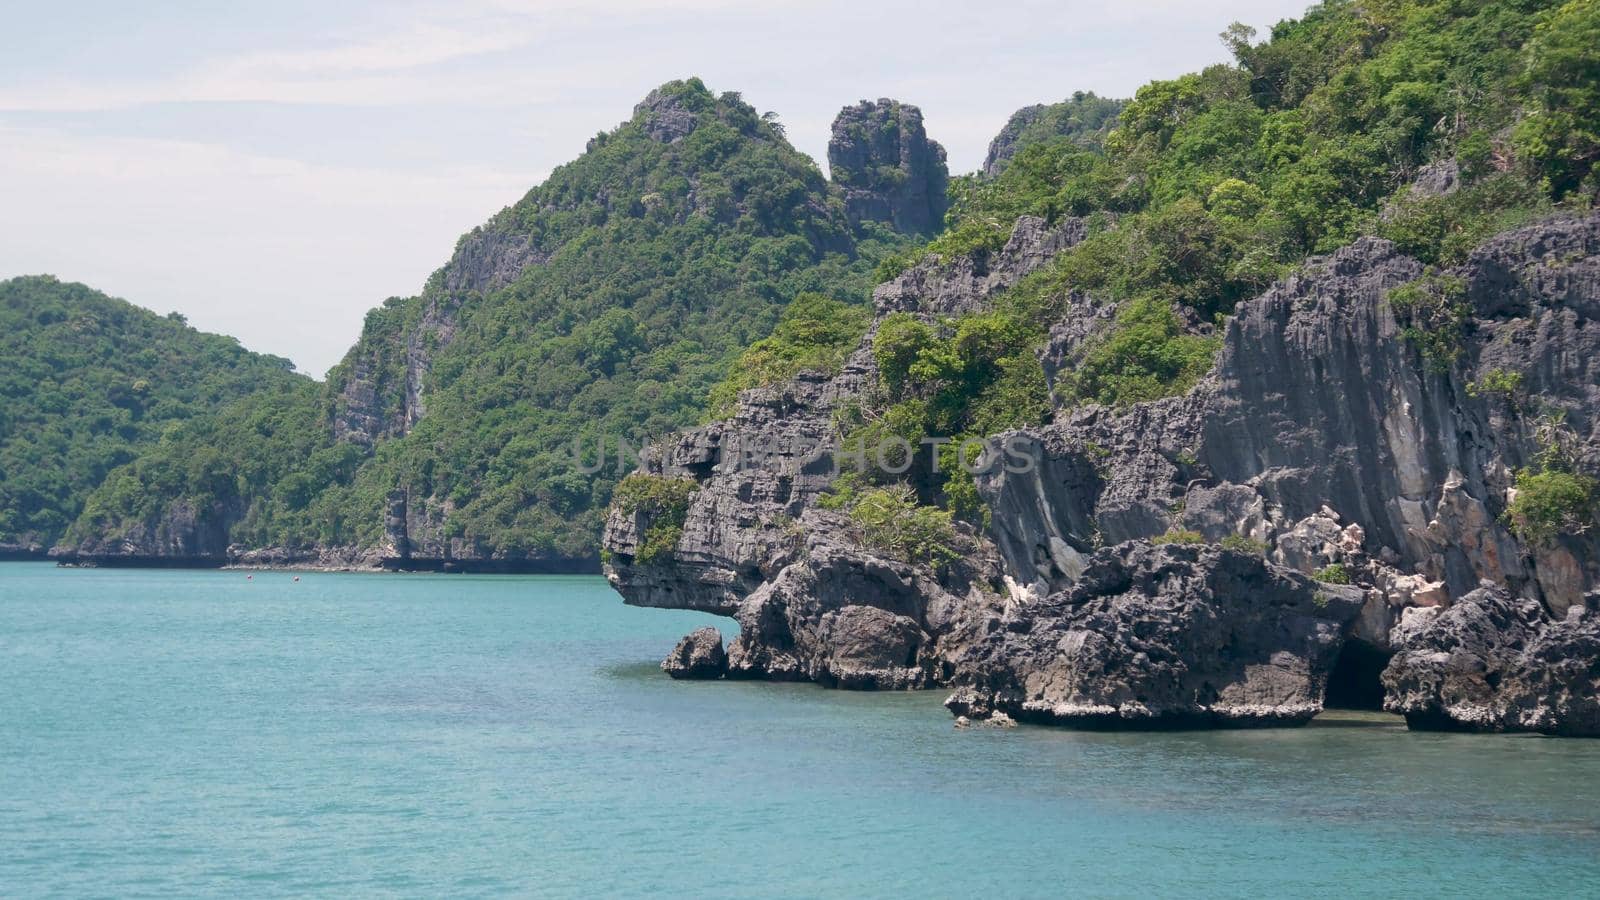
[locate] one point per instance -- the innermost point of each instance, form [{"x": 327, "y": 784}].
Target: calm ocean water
[{"x": 195, "y": 733}]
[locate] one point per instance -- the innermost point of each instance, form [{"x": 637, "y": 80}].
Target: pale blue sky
[{"x": 273, "y": 170}]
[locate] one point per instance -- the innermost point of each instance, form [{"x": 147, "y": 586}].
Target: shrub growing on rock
[
  {"x": 665, "y": 501},
  {"x": 891, "y": 520},
  {"x": 1334, "y": 573},
  {"x": 1551, "y": 503}
]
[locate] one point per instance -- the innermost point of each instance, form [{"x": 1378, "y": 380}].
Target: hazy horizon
[{"x": 274, "y": 171}]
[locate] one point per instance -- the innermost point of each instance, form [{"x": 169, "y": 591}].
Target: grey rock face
[
  {"x": 1438, "y": 179},
  {"x": 881, "y": 157},
  {"x": 1318, "y": 401},
  {"x": 1161, "y": 636},
  {"x": 1322, "y": 437},
  {"x": 843, "y": 616},
  {"x": 966, "y": 284},
  {"x": 1494, "y": 662},
  {"x": 665, "y": 117},
  {"x": 698, "y": 656}
]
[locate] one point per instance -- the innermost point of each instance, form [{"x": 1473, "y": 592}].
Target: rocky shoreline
[{"x": 1326, "y": 513}]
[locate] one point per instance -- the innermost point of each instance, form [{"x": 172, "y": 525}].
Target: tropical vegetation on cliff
[{"x": 1210, "y": 186}]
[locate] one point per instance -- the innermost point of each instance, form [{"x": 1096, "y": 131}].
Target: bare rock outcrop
[
  {"x": 1350, "y": 492},
  {"x": 1161, "y": 636},
  {"x": 844, "y": 616},
  {"x": 1495, "y": 662},
  {"x": 1319, "y": 401},
  {"x": 698, "y": 656},
  {"x": 760, "y": 471},
  {"x": 888, "y": 169}
]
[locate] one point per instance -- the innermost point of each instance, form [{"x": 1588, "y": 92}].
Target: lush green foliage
[
  {"x": 90, "y": 381},
  {"x": 1179, "y": 536},
  {"x": 1550, "y": 503},
  {"x": 667, "y": 260},
  {"x": 814, "y": 333},
  {"x": 1333, "y": 573},
  {"x": 1215, "y": 183},
  {"x": 961, "y": 380},
  {"x": 1560, "y": 136},
  {"x": 1084, "y": 119},
  {"x": 1434, "y": 312},
  {"x": 1496, "y": 383},
  {"x": 1146, "y": 356},
  {"x": 264, "y": 462},
  {"x": 1444, "y": 229},
  {"x": 891, "y": 520}
]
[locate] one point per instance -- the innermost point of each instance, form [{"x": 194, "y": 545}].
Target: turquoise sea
[{"x": 172, "y": 733}]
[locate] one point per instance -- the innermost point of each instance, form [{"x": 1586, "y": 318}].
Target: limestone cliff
[
  {"x": 1324, "y": 443},
  {"x": 889, "y": 171}
]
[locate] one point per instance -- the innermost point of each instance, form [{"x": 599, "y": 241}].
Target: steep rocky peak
[
  {"x": 671, "y": 112},
  {"x": 881, "y": 158}
]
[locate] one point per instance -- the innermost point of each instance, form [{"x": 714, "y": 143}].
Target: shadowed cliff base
[{"x": 1354, "y": 683}]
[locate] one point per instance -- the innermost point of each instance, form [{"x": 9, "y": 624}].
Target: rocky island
[{"x": 1370, "y": 477}]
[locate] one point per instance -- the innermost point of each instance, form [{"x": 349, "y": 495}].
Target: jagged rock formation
[
  {"x": 842, "y": 616},
  {"x": 1495, "y": 662},
  {"x": 1318, "y": 401},
  {"x": 698, "y": 656},
  {"x": 888, "y": 169},
  {"x": 1323, "y": 437},
  {"x": 665, "y": 116},
  {"x": 762, "y": 469},
  {"x": 1162, "y": 635}
]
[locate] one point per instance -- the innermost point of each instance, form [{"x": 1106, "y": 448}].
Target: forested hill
[
  {"x": 88, "y": 382},
  {"x": 609, "y": 300}
]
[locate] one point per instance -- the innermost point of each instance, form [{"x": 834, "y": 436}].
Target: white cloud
[
  {"x": 385, "y": 72},
  {"x": 400, "y": 67}
]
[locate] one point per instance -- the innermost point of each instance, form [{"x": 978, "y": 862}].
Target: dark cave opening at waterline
[{"x": 1354, "y": 682}]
